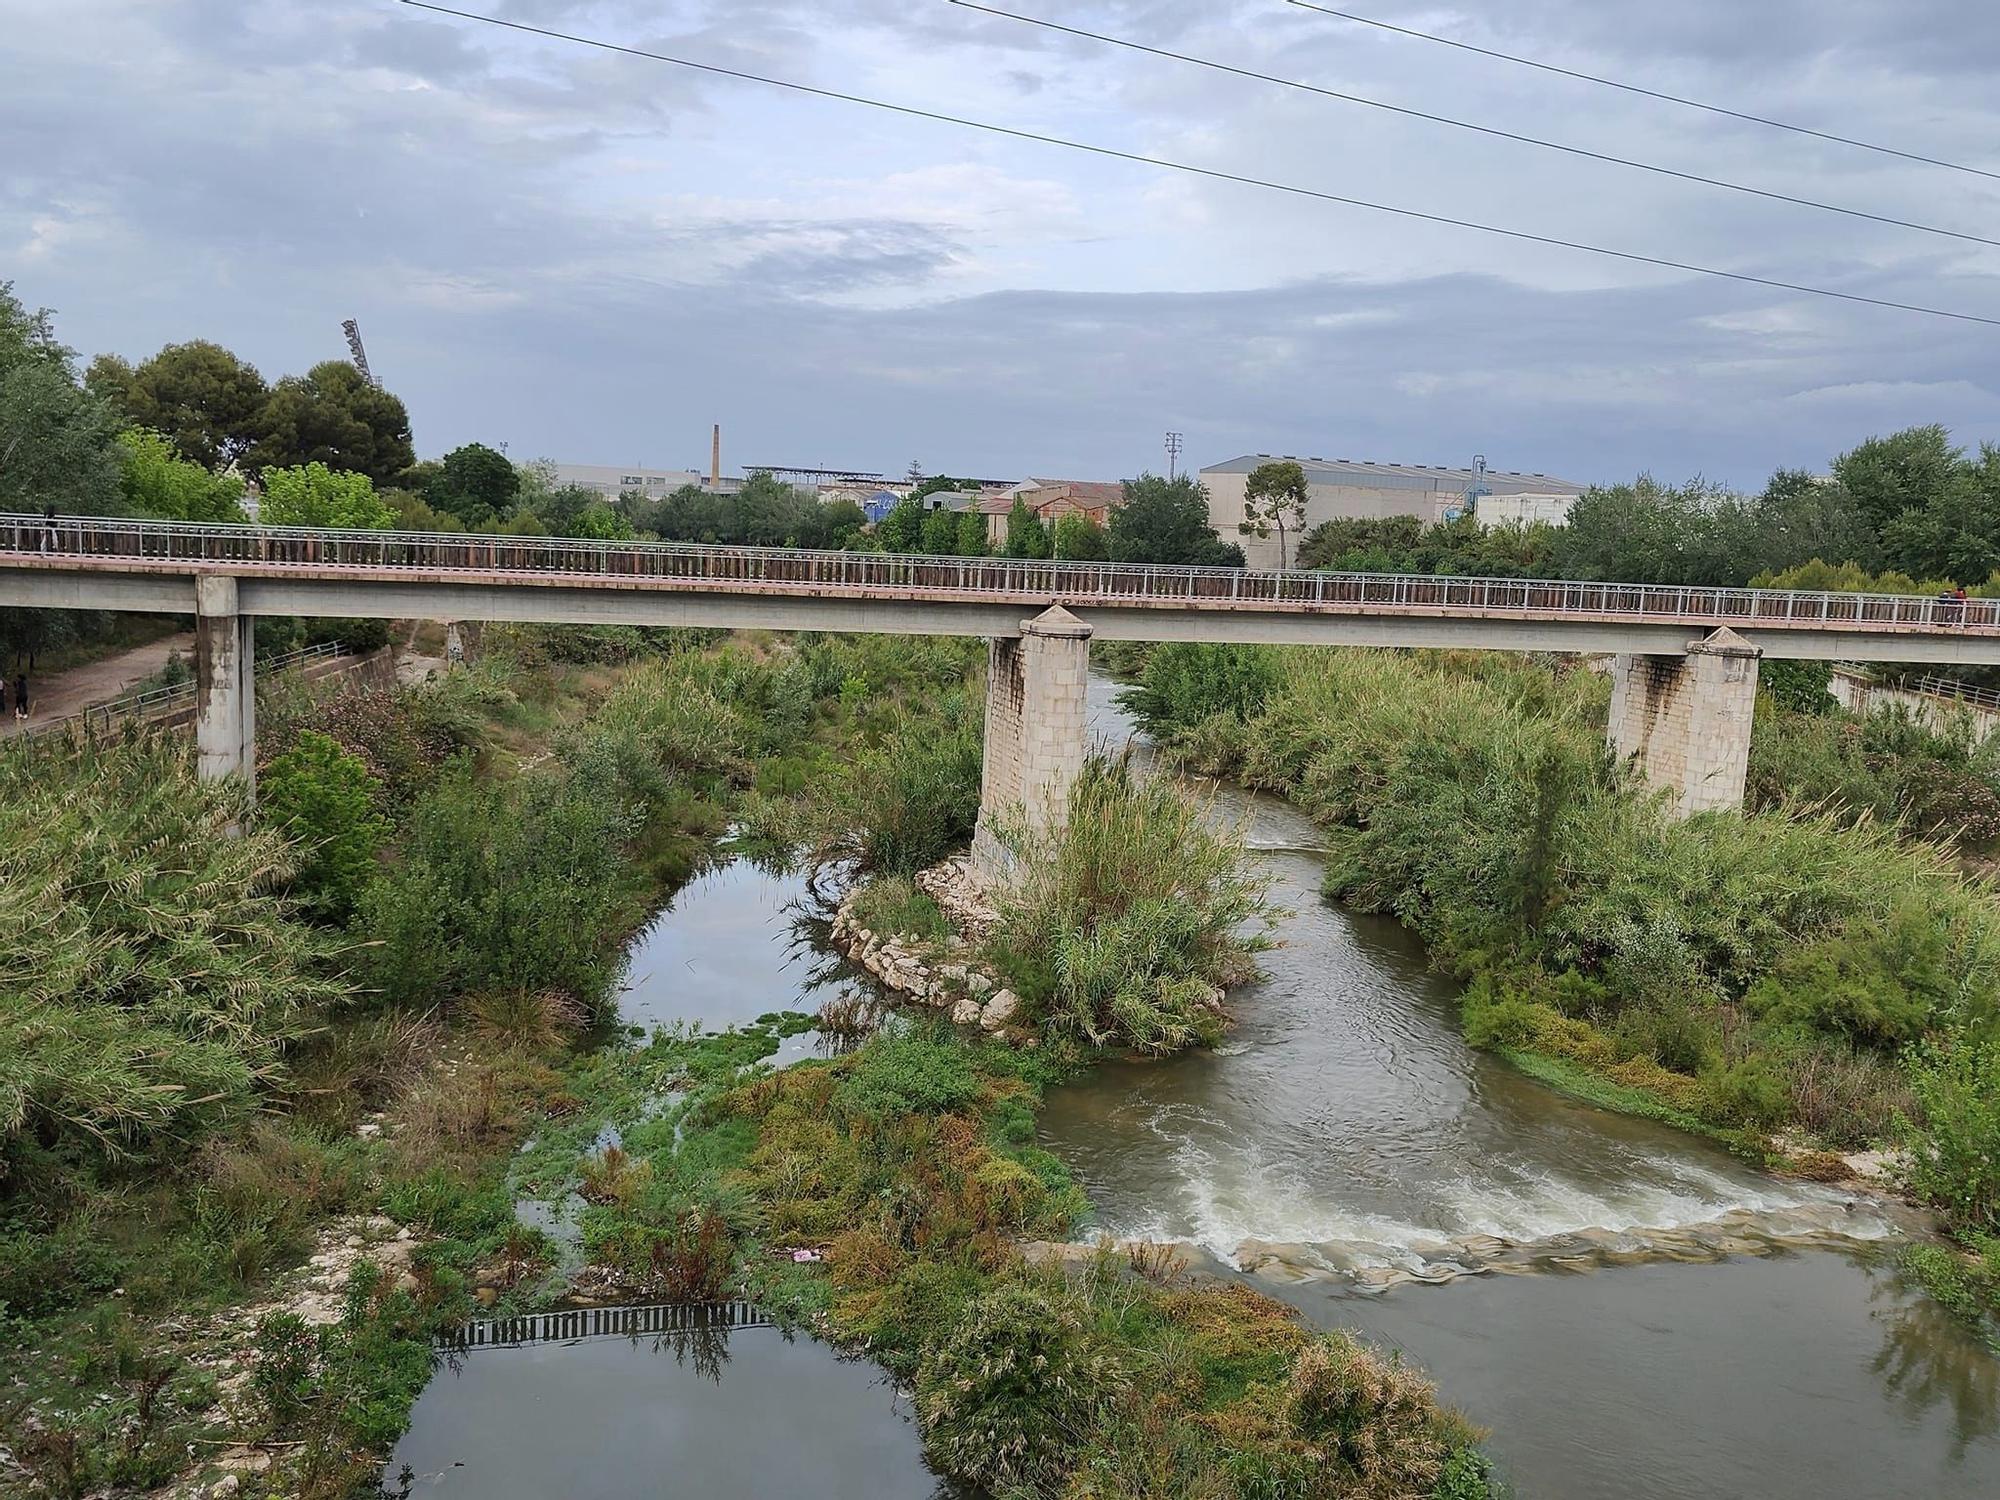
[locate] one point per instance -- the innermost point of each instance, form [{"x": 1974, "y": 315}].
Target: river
[{"x": 1636, "y": 1315}]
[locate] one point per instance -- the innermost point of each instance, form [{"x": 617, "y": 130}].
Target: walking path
[{"x": 93, "y": 682}]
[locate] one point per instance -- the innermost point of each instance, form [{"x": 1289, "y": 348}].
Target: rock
[
  {"x": 977, "y": 982},
  {"x": 998, "y": 1011},
  {"x": 228, "y": 1484},
  {"x": 966, "y": 1012}
]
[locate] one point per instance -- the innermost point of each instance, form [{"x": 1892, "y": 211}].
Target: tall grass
[
  {"x": 1125, "y": 921},
  {"x": 1755, "y": 971},
  {"x": 151, "y": 976}
]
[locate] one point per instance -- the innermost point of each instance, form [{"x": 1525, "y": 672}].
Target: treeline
[{"x": 1911, "y": 510}]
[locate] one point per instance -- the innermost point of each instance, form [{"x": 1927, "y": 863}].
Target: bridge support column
[
  {"x": 225, "y": 687},
  {"x": 1685, "y": 720},
  {"x": 1036, "y": 701}
]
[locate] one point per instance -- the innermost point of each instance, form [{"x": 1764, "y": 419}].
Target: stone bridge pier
[
  {"x": 1685, "y": 720},
  {"x": 1036, "y": 701},
  {"x": 225, "y": 684}
]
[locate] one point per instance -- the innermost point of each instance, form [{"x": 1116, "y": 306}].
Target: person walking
[
  {"x": 3, "y": 695},
  {"x": 48, "y": 528},
  {"x": 21, "y": 697}
]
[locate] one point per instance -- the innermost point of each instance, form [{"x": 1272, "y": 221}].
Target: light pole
[{"x": 1173, "y": 453}]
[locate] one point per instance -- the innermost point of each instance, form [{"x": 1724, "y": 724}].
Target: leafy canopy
[{"x": 314, "y": 495}]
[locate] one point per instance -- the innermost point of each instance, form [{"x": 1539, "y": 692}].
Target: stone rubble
[
  {"x": 951, "y": 981},
  {"x": 950, "y": 978}
]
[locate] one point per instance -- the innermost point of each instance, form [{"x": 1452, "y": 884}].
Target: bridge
[{"x": 1684, "y": 683}]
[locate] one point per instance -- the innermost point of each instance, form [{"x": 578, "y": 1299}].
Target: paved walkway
[{"x": 99, "y": 681}]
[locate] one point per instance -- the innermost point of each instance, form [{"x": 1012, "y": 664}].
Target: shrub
[
  {"x": 1135, "y": 910},
  {"x": 1955, "y": 1158},
  {"x": 892, "y": 905},
  {"x": 150, "y": 976},
  {"x": 1017, "y": 1388},
  {"x": 1184, "y": 683},
  {"x": 913, "y": 1073},
  {"x": 510, "y": 887},
  {"x": 325, "y": 798}
]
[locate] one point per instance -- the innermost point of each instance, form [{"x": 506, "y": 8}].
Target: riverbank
[
  {"x": 242, "y": 1295},
  {"x": 1795, "y": 983}
]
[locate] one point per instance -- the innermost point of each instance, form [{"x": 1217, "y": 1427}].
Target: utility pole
[{"x": 1173, "y": 453}]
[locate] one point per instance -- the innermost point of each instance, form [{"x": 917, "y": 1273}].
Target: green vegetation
[
  {"x": 1274, "y": 498},
  {"x": 1166, "y": 521},
  {"x": 909, "y": 1165},
  {"x": 327, "y": 801},
  {"x": 1753, "y": 974},
  {"x": 1124, "y": 925},
  {"x": 314, "y": 495},
  {"x": 1907, "y": 507}
]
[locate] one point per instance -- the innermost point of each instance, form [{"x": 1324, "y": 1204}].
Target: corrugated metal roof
[{"x": 1368, "y": 474}]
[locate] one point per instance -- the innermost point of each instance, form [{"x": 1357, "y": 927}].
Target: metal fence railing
[
  {"x": 1985, "y": 699},
  {"x": 176, "y": 546},
  {"x": 158, "y": 702}
]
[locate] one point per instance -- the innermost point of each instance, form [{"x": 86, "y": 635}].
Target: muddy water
[{"x": 1636, "y": 1313}]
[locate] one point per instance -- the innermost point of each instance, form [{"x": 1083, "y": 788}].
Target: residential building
[
  {"x": 1361, "y": 489},
  {"x": 1050, "y": 500}
]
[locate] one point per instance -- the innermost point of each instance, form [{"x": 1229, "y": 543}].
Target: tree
[
  {"x": 1079, "y": 539},
  {"x": 1166, "y": 521},
  {"x": 972, "y": 533},
  {"x": 475, "y": 483},
  {"x": 331, "y": 416},
  {"x": 1902, "y": 472},
  {"x": 324, "y": 797},
  {"x": 159, "y": 482},
  {"x": 941, "y": 532},
  {"x": 1275, "y": 497},
  {"x": 56, "y": 439},
  {"x": 939, "y": 484},
  {"x": 208, "y": 403},
  {"x": 902, "y": 530},
  {"x": 1026, "y": 535},
  {"x": 314, "y": 495}
]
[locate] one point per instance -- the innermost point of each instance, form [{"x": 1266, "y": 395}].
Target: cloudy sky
[{"x": 591, "y": 257}]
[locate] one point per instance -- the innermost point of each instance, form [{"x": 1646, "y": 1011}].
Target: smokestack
[{"x": 715, "y": 458}]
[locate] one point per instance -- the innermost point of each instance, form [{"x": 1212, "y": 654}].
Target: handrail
[
  {"x": 282, "y": 549},
  {"x": 160, "y": 700}
]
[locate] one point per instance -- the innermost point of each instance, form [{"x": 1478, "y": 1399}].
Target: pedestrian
[
  {"x": 21, "y": 696},
  {"x": 3, "y": 695},
  {"x": 1958, "y": 605},
  {"x": 48, "y": 528}
]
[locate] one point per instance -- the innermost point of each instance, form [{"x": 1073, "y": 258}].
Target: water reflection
[
  {"x": 612, "y": 1403},
  {"x": 1928, "y": 1361}
]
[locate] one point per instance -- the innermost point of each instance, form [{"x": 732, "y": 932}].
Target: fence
[
  {"x": 172, "y": 546},
  {"x": 163, "y": 702}
]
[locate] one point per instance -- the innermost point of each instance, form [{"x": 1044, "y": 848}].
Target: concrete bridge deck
[{"x": 95, "y": 563}]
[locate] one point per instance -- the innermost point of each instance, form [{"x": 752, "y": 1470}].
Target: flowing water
[
  {"x": 1742, "y": 1336},
  {"x": 1637, "y": 1315}
]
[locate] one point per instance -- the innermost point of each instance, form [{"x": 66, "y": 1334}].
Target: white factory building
[{"x": 1361, "y": 489}]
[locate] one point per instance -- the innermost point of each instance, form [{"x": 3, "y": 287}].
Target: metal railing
[
  {"x": 288, "y": 549},
  {"x": 158, "y": 702},
  {"x": 1987, "y": 700}
]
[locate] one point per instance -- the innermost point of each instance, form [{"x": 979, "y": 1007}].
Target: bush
[
  {"x": 1138, "y": 910},
  {"x": 150, "y": 974},
  {"x": 1184, "y": 683},
  {"x": 893, "y": 906},
  {"x": 517, "y": 886},
  {"x": 1019, "y": 1386},
  {"x": 325, "y": 799},
  {"x": 1955, "y": 1158},
  {"x": 908, "y": 1074}
]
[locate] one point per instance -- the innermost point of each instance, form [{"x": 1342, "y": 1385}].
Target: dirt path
[{"x": 99, "y": 681}]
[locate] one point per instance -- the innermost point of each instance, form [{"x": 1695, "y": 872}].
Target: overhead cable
[
  {"x": 1506, "y": 135},
  {"x": 1215, "y": 174},
  {"x": 1633, "y": 88}
]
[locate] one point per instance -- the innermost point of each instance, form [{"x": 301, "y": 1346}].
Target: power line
[
  {"x": 1633, "y": 88},
  {"x": 1213, "y": 173},
  {"x": 1505, "y": 135}
]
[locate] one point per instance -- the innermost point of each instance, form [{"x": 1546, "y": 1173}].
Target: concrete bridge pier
[
  {"x": 1036, "y": 702},
  {"x": 1685, "y": 720},
  {"x": 225, "y": 686}
]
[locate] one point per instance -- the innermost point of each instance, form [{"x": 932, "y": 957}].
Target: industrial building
[{"x": 1361, "y": 489}]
